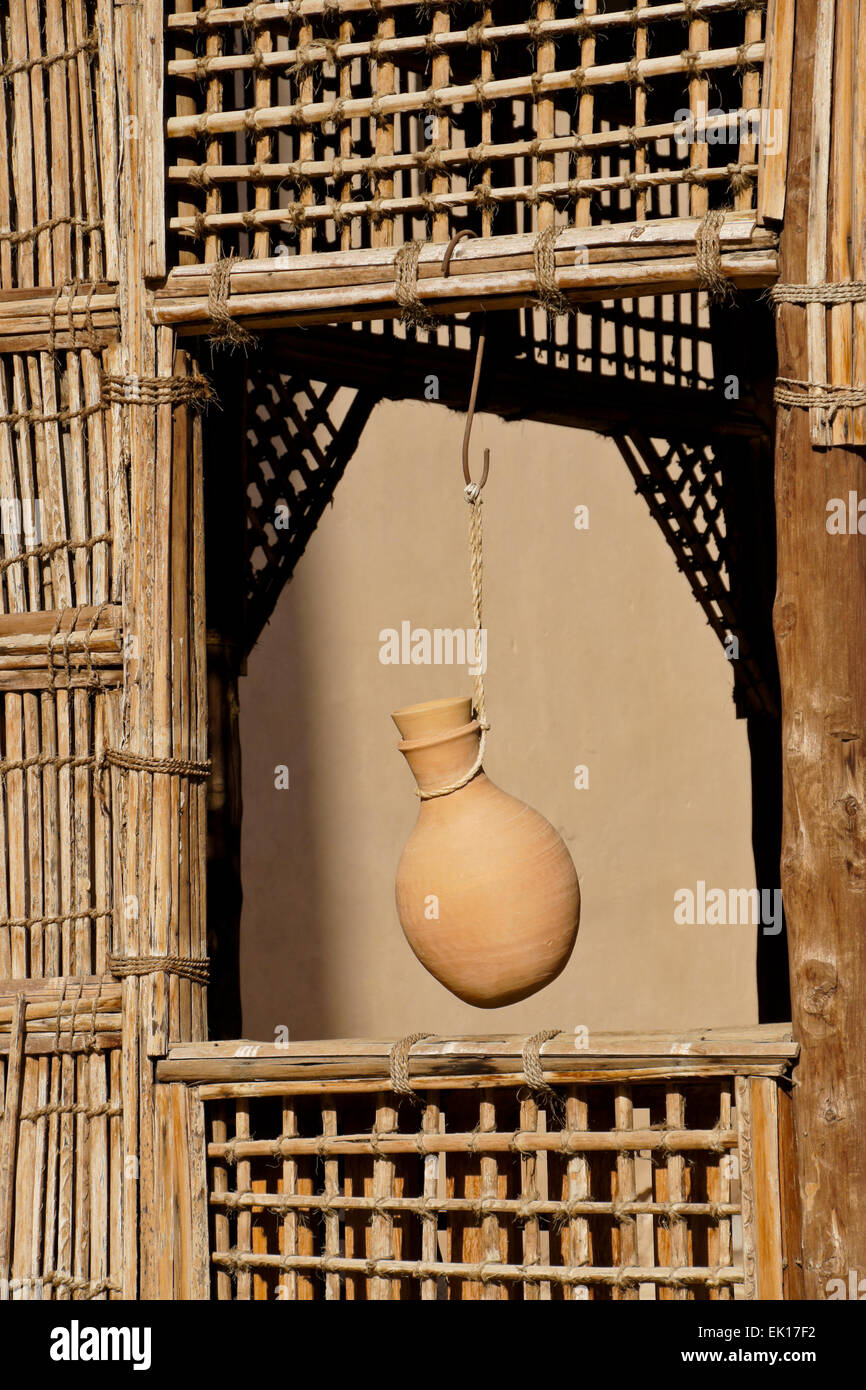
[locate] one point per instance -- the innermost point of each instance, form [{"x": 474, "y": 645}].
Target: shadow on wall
[{"x": 598, "y": 656}]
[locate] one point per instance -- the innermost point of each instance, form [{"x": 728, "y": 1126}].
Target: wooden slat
[
  {"x": 775, "y": 107},
  {"x": 9, "y": 1138},
  {"x": 768, "y": 1205}
]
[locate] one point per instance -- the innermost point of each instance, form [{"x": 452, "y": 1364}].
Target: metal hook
[
  {"x": 470, "y": 416},
  {"x": 479, "y": 354},
  {"x": 452, "y": 247}
]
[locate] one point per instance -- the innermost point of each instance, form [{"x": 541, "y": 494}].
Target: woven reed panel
[
  {"x": 61, "y": 1141},
  {"x": 51, "y": 123},
  {"x": 316, "y": 125},
  {"x": 64, "y": 516},
  {"x": 605, "y": 1191}
]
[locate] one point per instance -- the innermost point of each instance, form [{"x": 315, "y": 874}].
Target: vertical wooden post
[
  {"x": 819, "y": 612},
  {"x": 162, "y": 859}
]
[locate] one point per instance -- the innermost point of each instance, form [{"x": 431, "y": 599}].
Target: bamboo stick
[
  {"x": 430, "y": 1124},
  {"x": 718, "y": 1180},
  {"x": 389, "y": 103},
  {"x": 16, "y": 822},
  {"x": 289, "y": 1244},
  {"x": 489, "y": 1234},
  {"x": 524, "y": 1208},
  {"x": 52, "y": 962},
  {"x": 66, "y": 1183},
  {"x": 227, "y": 16},
  {"x": 219, "y": 1186},
  {"x": 244, "y": 1218},
  {"x": 21, "y": 149},
  {"x": 213, "y": 197},
  {"x": 441, "y": 74},
  {"x": 35, "y": 844},
  {"x": 737, "y": 232},
  {"x": 393, "y": 1269},
  {"x": 749, "y": 151},
  {"x": 94, "y": 265},
  {"x": 617, "y": 280},
  {"x": 625, "y": 1245},
  {"x": 332, "y": 1189},
  {"x": 386, "y": 103},
  {"x": 614, "y": 1141},
  {"x": 699, "y": 155},
  {"x": 576, "y": 1238},
  {"x": 6, "y": 270},
  {"x": 486, "y": 153},
  {"x": 83, "y": 1224},
  {"x": 381, "y": 1226},
  {"x": 42, "y": 185},
  {"x": 32, "y": 482},
  {"x": 529, "y": 1195},
  {"x": 98, "y": 1177},
  {"x": 59, "y": 118},
  {"x": 108, "y": 137},
  {"x": 116, "y": 1170},
  {"x": 9, "y": 1139},
  {"x": 52, "y": 1159}
]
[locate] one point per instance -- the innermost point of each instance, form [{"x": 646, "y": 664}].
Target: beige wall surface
[{"x": 598, "y": 655}]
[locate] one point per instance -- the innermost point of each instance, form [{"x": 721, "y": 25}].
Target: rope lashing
[
  {"x": 534, "y": 1072},
  {"x": 708, "y": 254},
  {"x": 413, "y": 311},
  {"x": 810, "y": 395},
  {"x": 398, "y": 1063},
  {"x": 472, "y": 493},
  {"x": 137, "y": 762},
  {"x": 550, "y": 296},
  {"x": 226, "y": 330},
  {"x": 186, "y": 967},
  {"x": 843, "y": 292}
]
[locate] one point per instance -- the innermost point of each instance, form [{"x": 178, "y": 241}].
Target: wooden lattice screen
[
  {"x": 354, "y": 124},
  {"x": 314, "y": 137},
  {"x": 650, "y": 1168}
]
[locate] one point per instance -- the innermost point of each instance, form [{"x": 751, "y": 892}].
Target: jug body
[{"x": 487, "y": 892}]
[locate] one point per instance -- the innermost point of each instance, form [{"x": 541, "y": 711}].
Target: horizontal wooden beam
[
  {"x": 33, "y": 320},
  {"x": 765, "y": 1050},
  {"x": 623, "y": 261},
  {"x": 65, "y": 647}
]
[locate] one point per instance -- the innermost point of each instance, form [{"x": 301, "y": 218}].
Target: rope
[
  {"x": 709, "y": 257},
  {"x": 38, "y": 552},
  {"x": 194, "y": 391},
  {"x": 88, "y": 45},
  {"x": 534, "y": 1072},
  {"x": 137, "y": 762},
  {"x": 187, "y": 967},
  {"x": 398, "y": 1063},
  {"x": 472, "y": 493},
  {"x": 39, "y": 921},
  {"x": 18, "y": 237},
  {"x": 550, "y": 296},
  {"x": 413, "y": 312},
  {"x": 226, "y": 331},
  {"x": 845, "y": 292},
  {"x": 807, "y": 395}
]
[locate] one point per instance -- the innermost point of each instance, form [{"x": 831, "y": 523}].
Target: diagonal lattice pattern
[{"x": 298, "y": 438}]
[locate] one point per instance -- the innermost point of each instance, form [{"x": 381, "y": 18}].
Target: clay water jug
[{"x": 487, "y": 893}]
